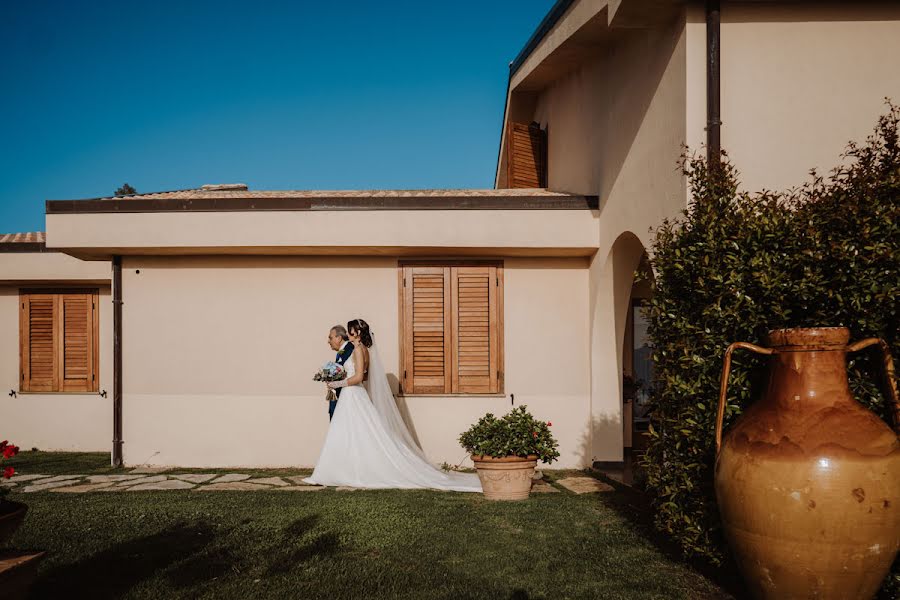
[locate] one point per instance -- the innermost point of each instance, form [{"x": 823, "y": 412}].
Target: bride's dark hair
[{"x": 361, "y": 328}]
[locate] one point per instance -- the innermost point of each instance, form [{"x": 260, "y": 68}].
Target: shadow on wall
[
  {"x": 598, "y": 428},
  {"x": 629, "y": 98},
  {"x": 815, "y": 13},
  {"x": 394, "y": 382}
]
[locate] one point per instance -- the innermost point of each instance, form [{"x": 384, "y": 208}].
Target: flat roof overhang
[
  {"x": 571, "y": 28},
  {"x": 542, "y": 224},
  {"x": 36, "y": 268},
  {"x": 572, "y": 33}
]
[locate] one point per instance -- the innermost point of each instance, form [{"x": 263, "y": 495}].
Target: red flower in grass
[
  {"x": 10, "y": 451},
  {"x": 549, "y": 424},
  {"x": 8, "y": 472},
  {"x": 534, "y": 433}
]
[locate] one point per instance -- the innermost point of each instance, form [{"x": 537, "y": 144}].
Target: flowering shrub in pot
[
  {"x": 506, "y": 450},
  {"x": 11, "y": 513}
]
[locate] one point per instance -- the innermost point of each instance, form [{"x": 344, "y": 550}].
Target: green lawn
[
  {"x": 98, "y": 463},
  {"x": 337, "y": 545}
]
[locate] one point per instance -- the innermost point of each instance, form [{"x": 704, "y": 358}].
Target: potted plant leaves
[{"x": 506, "y": 450}]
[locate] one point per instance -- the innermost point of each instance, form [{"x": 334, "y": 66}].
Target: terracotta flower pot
[
  {"x": 808, "y": 480},
  {"x": 18, "y": 570},
  {"x": 507, "y": 478},
  {"x": 11, "y": 516}
]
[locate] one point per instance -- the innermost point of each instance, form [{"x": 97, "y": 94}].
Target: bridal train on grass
[{"x": 369, "y": 446}]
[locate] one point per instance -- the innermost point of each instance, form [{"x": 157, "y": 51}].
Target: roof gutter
[
  {"x": 523, "y": 201},
  {"x": 24, "y": 247},
  {"x": 713, "y": 85},
  {"x": 502, "y": 131},
  {"x": 552, "y": 17},
  {"x": 118, "y": 459}
]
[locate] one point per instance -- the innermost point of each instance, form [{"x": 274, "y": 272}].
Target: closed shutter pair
[
  {"x": 58, "y": 341},
  {"x": 451, "y": 325}
]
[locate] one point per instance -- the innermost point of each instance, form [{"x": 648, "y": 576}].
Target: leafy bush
[
  {"x": 516, "y": 434},
  {"x": 736, "y": 265}
]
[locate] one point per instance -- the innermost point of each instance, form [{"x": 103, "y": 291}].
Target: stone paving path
[
  {"x": 584, "y": 485},
  {"x": 146, "y": 479}
]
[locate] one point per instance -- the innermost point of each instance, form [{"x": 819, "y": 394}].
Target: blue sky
[{"x": 278, "y": 95}]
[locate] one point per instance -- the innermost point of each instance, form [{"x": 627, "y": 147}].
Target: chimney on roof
[{"x": 224, "y": 187}]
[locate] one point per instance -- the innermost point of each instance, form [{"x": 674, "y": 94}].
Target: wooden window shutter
[
  {"x": 426, "y": 340},
  {"x": 526, "y": 162},
  {"x": 58, "y": 337},
  {"x": 38, "y": 343},
  {"x": 476, "y": 323},
  {"x": 77, "y": 347}
]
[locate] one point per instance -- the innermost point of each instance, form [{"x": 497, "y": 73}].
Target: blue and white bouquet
[{"x": 330, "y": 371}]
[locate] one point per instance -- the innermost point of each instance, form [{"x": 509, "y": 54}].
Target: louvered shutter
[
  {"x": 38, "y": 340},
  {"x": 475, "y": 322},
  {"x": 426, "y": 306},
  {"x": 526, "y": 156},
  {"x": 58, "y": 342},
  {"x": 77, "y": 347}
]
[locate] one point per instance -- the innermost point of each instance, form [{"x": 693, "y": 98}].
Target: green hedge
[{"x": 736, "y": 265}]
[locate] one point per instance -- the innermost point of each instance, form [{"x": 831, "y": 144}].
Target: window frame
[
  {"x": 449, "y": 319},
  {"x": 93, "y": 359}
]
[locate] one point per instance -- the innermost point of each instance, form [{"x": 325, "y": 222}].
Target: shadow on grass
[
  {"x": 187, "y": 556},
  {"x": 113, "y": 572},
  {"x": 289, "y": 554},
  {"x": 53, "y": 463},
  {"x": 635, "y": 507}
]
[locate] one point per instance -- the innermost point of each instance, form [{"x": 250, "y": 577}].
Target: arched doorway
[
  {"x": 617, "y": 363},
  {"x": 637, "y": 366}
]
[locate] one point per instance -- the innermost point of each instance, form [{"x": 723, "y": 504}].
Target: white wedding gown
[{"x": 369, "y": 446}]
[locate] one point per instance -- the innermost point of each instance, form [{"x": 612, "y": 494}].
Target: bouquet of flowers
[{"x": 331, "y": 371}]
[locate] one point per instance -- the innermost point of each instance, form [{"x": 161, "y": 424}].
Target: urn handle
[
  {"x": 890, "y": 380},
  {"x": 723, "y": 386}
]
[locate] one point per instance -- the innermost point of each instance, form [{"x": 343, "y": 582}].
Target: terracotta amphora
[{"x": 807, "y": 479}]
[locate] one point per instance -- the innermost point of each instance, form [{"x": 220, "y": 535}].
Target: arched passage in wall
[
  {"x": 637, "y": 365},
  {"x": 613, "y": 293}
]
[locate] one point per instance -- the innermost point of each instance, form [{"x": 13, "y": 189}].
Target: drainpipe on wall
[
  {"x": 713, "y": 85},
  {"x": 117, "y": 362}
]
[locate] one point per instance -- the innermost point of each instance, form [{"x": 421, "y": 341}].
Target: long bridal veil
[
  {"x": 427, "y": 474},
  {"x": 380, "y": 393}
]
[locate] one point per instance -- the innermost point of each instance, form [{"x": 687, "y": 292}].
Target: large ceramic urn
[{"x": 807, "y": 479}]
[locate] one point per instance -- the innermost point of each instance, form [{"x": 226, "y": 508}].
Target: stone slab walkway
[
  {"x": 584, "y": 485},
  {"x": 153, "y": 479}
]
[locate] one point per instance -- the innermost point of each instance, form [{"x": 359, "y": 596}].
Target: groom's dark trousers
[{"x": 342, "y": 357}]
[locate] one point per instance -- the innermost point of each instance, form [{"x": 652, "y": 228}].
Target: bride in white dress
[{"x": 368, "y": 445}]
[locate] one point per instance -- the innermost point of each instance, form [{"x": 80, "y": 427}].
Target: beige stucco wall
[
  {"x": 799, "y": 80},
  {"x": 50, "y": 267},
  {"x": 219, "y": 351},
  {"x": 619, "y": 135},
  {"x": 72, "y": 421},
  {"x": 305, "y": 231}
]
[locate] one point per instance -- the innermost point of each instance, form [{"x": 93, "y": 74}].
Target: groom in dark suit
[{"x": 339, "y": 342}]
